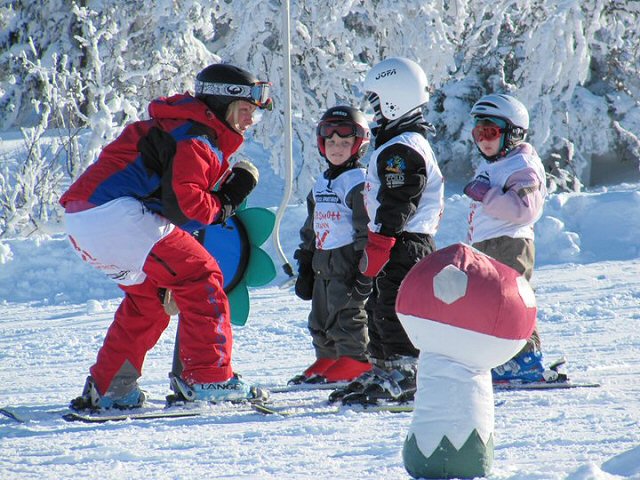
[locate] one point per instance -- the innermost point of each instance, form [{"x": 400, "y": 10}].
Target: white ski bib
[
  {"x": 332, "y": 217},
  {"x": 116, "y": 237},
  {"x": 483, "y": 226},
  {"x": 426, "y": 218}
]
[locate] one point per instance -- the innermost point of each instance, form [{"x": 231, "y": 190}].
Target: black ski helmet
[
  {"x": 346, "y": 122},
  {"x": 220, "y": 84}
]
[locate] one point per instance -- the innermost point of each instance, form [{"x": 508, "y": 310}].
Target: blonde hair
[{"x": 232, "y": 114}]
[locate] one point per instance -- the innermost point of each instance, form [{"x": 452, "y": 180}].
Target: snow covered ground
[{"x": 54, "y": 312}]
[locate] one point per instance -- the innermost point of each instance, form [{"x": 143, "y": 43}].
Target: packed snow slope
[{"x": 54, "y": 312}]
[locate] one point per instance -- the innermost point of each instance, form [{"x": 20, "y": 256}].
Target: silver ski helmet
[
  {"x": 502, "y": 106},
  {"x": 346, "y": 122},
  {"x": 220, "y": 84},
  {"x": 509, "y": 110},
  {"x": 400, "y": 86}
]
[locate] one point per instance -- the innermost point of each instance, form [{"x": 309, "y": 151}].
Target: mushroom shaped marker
[{"x": 467, "y": 313}]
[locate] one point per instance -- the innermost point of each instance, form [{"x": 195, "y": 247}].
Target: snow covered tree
[{"x": 573, "y": 63}]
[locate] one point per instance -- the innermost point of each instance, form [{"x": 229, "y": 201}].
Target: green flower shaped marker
[{"x": 236, "y": 247}]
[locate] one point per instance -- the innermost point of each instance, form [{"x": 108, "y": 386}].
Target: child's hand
[
  {"x": 306, "y": 279},
  {"x": 304, "y": 286},
  {"x": 477, "y": 188},
  {"x": 376, "y": 254}
]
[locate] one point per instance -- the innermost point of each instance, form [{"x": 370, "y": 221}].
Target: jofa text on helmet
[{"x": 386, "y": 73}]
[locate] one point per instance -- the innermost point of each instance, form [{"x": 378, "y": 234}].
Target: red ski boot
[
  {"x": 317, "y": 368},
  {"x": 345, "y": 369}
]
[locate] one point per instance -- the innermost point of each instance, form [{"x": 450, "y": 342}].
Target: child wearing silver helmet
[{"x": 507, "y": 193}]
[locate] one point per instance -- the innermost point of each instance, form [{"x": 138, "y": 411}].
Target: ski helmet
[
  {"x": 220, "y": 84},
  {"x": 346, "y": 122},
  {"x": 400, "y": 86},
  {"x": 502, "y": 106},
  {"x": 509, "y": 110}
]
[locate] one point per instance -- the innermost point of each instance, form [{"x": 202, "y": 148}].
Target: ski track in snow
[{"x": 590, "y": 313}]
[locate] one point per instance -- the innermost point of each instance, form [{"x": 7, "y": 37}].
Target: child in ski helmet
[
  {"x": 507, "y": 193},
  {"x": 130, "y": 215},
  {"x": 332, "y": 240},
  {"x": 404, "y": 196}
]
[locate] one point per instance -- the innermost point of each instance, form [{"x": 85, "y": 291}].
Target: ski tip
[{"x": 9, "y": 413}]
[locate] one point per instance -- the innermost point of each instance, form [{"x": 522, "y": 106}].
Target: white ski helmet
[
  {"x": 502, "y": 106},
  {"x": 400, "y": 84}
]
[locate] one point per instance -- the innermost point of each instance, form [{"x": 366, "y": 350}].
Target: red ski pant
[{"x": 177, "y": 262}]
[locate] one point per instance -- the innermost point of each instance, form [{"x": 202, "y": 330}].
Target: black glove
[
  {"x": 305, "y": 280},
  {"x": 362, "y": 288},
  {"x": 235, "y": 188}
]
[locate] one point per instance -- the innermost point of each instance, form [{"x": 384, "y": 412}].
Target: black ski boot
[
  {"x": 395, "y": 384},
  {"x": 356, "y": 386}
]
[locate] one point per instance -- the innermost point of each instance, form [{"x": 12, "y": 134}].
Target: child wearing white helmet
[
  {"x": 404, "y": 196},
  {"x": 507, "y": 193}
]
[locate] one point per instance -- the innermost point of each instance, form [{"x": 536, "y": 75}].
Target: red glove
[{"x": 376, "y": 254}]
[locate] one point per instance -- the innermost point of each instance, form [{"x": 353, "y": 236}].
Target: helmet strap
[{"x": 374, "y": 100}]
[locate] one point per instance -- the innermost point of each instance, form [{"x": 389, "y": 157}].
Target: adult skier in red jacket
[{"x": 130, "y": 214}]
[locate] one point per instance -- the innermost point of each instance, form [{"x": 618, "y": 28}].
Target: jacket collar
[{"x": 186, "y": 107}]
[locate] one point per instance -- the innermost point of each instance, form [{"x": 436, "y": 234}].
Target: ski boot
[
  {"x": 557, "y": 371},
  {"x": 525, "y": 367},
  {"x": 93, "y": 401},
  {"x": 316, "y": 369},
  {"x": 396, "y": 383},
  {"x": 357, "y": 385},
  {"x": 233, "y": 390},
  {"x": 345, "y": 369}
]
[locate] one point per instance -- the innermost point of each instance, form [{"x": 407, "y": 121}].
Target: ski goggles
[
  {"x": 327, "y": 129},
  {"x": 257, "y": 94},
  {"x": 260, "y": 95},
  {"x": 488, "y": 129}
]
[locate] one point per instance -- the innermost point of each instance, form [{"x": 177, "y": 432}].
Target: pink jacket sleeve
[{"x": 520, "y": 203}]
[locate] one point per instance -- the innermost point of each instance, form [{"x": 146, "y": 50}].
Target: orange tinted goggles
[{"x": 486, "y": 132}]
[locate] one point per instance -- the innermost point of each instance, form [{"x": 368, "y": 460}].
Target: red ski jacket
[{"x": 170, "y": 163}]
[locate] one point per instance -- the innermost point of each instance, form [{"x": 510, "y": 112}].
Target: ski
[
  {"x": 508, "y": 386},
  {"x": 562, "y": 384},
  {"x": 302, "y": 409},
  {"x": 154, "y": 410},
  {"x": 103, "y": 418},
  {"x": 305, "y": 387},
  {"x": 9, "y": 413},
  {"x": 27, "y": 414},
  {"x": 308, "y": 409},
  {"x": 158, "y": 413},
  {"x": 294, "y": 410}
]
